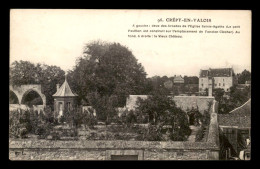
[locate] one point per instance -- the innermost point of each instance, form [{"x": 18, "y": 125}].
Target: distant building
[
  {"x": 64, "y": 99},
  {"x": 178, "y": 80},
  {"x": 223, "y": 78}
]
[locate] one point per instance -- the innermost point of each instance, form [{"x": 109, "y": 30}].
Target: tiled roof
[
  {"x": 64, "y": 91},
  {"x": 222, "y": 72},
  {"x": 240, "y": 117},
  {"x": 225, "y": 72}
]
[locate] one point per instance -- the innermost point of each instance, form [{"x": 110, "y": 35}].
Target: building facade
[
  {"x": 223, "y": 78},
  {"x": 178, "y": 80},
  {"x": 64, "y": 99}
]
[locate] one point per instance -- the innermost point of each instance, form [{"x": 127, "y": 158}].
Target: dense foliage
[
  {"x": 162, "y": 111},
  {"x": 244, "y": 76},
  {"x": 106, "y": 75},
  {"x": 235, "y": 98}
]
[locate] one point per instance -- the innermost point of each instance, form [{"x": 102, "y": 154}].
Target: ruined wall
[{"x": 22, "y": 90}]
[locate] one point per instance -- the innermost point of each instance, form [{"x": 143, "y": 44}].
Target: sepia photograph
[{"x": 121, "y": 84}]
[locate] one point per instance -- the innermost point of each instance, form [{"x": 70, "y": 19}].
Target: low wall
[
  {"x": 103, "y": 150},
  {"x": 14, "y": 107}
]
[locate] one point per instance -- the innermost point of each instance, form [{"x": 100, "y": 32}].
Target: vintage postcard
[{"x": 130, "y": 84}]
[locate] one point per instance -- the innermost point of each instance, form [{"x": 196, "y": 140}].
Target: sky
[{"x": 57, "y": 37}]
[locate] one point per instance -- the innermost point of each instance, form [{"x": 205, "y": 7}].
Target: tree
[
  {"x": 162, "y": 111},
  {"x": 244, "y": 76},
  {"x": 24, "y": 72},
  {"x": 191, "y": 80},
  {"x": 111, "y": 72},
  {"x": 104, "y": 106},
  {"x": 237, "y": 97},
  {"x": 218, "y": 94}
]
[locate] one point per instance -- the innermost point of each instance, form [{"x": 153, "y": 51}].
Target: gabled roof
[
  {"x": 64, "y": 91},
  {"x": 240, "y": 117}
]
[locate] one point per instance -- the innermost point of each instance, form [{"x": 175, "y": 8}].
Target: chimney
[
  {"x": 210, "y": 87},
  {"x": 58, "y": 86}
]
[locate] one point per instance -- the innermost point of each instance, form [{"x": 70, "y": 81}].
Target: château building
[{"x": 223, "y": 78}]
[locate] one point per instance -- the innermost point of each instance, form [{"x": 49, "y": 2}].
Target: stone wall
[
  {"x": 184, "y": 102},
  {"x": 102, "y": 150},
  {"x": 189, "y": 102}
]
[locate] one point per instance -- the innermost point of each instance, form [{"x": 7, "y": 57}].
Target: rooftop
[
  {"x": 221, "y": 72},
  {"x": 239, "y": 117},
  {"x": 64, "y": 91}
]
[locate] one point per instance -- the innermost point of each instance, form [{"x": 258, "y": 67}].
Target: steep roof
[
  {"x": 240, "y": 117},
  {"x": 64, "y": 91},
  {"x": 221, "y": 72}
]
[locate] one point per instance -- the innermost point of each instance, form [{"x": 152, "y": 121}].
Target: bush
[
  {"x": 19, "y": 124},
  {"x": 153, "y": 133},
  {"x": 131, "y": 117},
  {"x": 23, "y": 133},
  {"x": 55, "y": 136},
  {"x": 200, "y": 134}
]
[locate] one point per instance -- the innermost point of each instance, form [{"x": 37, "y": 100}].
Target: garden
[{"x": 160, "y": 121}]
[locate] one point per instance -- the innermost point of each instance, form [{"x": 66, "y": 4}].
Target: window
[
  {"x": 68, "y": 105},
  {"x": 60, "y": 106},
  {"x": 223, "y": 84},
  {"x": 223, "y": 80},
  {"x": 219, "y": 84},
  {"x": 202, "y": 84}
]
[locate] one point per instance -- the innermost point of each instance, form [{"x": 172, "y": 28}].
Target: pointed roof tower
[{"x": 64, "y": 90}]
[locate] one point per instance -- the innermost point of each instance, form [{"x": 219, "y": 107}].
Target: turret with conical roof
[
  {"x": 64, "y": 90},
  {"x": 64, "y": 99}
]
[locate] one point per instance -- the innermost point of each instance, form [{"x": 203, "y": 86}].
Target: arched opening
[
  {"x": 13, "y": 99},
  {"x": 31, "y": 97}
]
